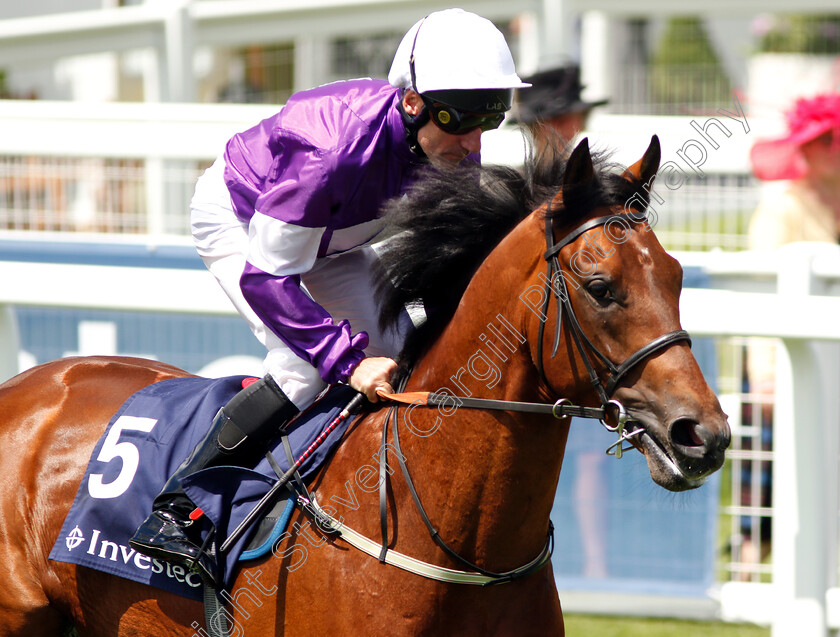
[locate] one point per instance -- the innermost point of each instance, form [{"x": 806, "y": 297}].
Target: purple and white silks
[{"x": 301, "y": 193}]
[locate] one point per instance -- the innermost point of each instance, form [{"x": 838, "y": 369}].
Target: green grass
[
  {"x": 589, "y": 625},
  {"x": 592, "y": 626}
]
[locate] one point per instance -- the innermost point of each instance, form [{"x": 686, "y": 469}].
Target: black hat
[{"x": 554, "y": 92}]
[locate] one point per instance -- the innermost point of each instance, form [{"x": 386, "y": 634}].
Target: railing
[
  {"x": 798, "y": 306},
  {"x": 130, "y": 168},
  {"x": 127, "y": 168},
  {"x": 791, "y": 295},
  {"x": 92, "y": 172}
]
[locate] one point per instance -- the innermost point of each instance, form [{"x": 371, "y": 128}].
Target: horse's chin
[{"x": 663, "y": 468}]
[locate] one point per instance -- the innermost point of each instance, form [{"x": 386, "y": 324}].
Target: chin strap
[{"x": 412, "y": 125}]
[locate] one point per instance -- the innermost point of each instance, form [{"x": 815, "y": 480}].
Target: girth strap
[{"x": 215, "y": 615}]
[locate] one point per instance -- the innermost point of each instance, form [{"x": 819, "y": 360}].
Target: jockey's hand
[{"x": 373, "y": 374}]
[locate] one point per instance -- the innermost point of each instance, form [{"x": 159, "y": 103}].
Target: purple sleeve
[
  {"x": 324, "y": 163},
  {"x": 295, "y": 199},
  {"x": 279, "y": 174},
  {"x": 303, "y": 325}
]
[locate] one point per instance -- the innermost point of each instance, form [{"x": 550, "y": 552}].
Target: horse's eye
[{"x": 598, "y": 290}]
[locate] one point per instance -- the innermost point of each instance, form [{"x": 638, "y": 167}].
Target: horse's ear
[
  {"x": 579, "y": 168},
  {"x": 646, "y": 168},
  {"x": 578, "y": 177}
]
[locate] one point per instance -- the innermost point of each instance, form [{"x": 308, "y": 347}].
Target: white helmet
[{"x": 460, "y": 54}]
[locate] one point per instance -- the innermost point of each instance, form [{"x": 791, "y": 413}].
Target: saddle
[{"x": 146, "y": 440}]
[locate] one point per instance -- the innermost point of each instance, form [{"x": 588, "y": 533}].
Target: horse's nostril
[{"x": 686, "y": 432}]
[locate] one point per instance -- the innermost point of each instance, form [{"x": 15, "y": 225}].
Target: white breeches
[{"x": 341, "y": 284}]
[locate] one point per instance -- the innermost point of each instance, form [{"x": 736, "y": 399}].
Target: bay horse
[{"x": 545, "y": 289}]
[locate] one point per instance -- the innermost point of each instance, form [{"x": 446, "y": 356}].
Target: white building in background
[
  {"x": 263, "y": 50},
  {"x": 301, "y": 44},
  {"x": 204, "y": 50},
  {"x": 62, "y": 80}
]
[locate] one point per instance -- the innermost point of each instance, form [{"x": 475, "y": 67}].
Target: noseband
[{"x": 556, "y": 287}]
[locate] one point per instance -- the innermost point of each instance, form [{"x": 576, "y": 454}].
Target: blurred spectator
[
  {"x": 553, "y": 106},
  {"x": 246, "y": 79},
  {"x": 806, "y": 207},
  {"x": 802, "y": 204}
]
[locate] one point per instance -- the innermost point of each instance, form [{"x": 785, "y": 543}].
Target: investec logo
[{"x": 107, "y": 550}]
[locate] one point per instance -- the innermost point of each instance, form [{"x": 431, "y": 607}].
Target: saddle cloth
[{"x": 145, "y": 442}]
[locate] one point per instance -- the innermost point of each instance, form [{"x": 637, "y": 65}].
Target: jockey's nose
[{"x": 471, "y": 141}]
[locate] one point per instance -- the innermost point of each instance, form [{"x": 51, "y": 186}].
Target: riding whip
[{"x": 352, "y": 407}]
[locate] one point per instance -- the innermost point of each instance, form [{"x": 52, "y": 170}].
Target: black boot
[{"x": 251, "y": 417}]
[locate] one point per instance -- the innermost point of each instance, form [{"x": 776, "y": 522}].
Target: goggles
[{"x": 455, "y": 122}]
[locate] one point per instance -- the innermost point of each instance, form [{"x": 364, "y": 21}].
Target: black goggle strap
[
  {"x": 413, "y": 123},
  {"x": 458, "y": 122}
]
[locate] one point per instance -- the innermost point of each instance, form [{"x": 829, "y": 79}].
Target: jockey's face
[{"x": 443, "y": 149}]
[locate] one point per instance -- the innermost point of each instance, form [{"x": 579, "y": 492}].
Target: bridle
[{"x": 557, "y": 288}]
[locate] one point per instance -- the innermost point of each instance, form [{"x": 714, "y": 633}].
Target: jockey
[{"x": 286, "y": 220}]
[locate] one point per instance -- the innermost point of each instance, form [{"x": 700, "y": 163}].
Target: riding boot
[{"x": 236, "y": 435}]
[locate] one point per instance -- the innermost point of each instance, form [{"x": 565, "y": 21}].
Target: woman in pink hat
[
  {"x": 808, "y": 207},
  {"x": 803, "y": 206}
]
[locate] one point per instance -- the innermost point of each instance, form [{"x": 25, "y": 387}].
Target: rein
[
  {"x": 561, "y": 409},
  {"x": 475, "y": 574},
  {"x": 555, "y": 288},
  {"x": 488, "y": 577}
]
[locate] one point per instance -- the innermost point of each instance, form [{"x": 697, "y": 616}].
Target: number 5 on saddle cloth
[{"x": 145, "y": 442}]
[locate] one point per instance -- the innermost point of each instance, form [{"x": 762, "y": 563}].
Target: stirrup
[{"x": 165, "y": 539}]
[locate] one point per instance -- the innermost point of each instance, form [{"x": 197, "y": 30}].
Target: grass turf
[{"x": 589, "y": 625}]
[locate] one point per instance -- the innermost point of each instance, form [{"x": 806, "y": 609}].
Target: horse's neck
[
  {"x": 483, "y": 352},
  {"x": 489, "y": 347},
  {"x": 488, "y": 461}
]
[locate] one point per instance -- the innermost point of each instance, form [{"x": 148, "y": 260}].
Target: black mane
[{"x": 449, "y": 222}]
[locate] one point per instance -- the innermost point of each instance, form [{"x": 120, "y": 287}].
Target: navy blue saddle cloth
[{"x": 146, "y": 440}]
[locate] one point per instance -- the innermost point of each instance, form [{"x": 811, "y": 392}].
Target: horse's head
[
  {"x": 472, "y": 245},
  {"x": 619, "y": 293}
]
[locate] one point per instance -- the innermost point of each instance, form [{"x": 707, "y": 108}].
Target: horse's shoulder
[{"x": 360, "y": 446}]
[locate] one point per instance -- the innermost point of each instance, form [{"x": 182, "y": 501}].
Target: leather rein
[{"x": 555, "y": 288}]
